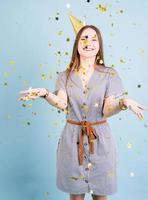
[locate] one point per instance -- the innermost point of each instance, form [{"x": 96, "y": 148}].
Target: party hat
[{"x": 76, "y": 23}]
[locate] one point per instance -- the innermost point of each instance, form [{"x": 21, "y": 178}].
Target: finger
[
  {"x": 24, "y": 92},
  {"x": 141, "y": 107},
  {"x": 140, "y": 115}
]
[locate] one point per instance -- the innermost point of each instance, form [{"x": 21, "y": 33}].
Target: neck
[{"x": 87, "y": 62}]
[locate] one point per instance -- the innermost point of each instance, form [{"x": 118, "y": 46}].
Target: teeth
[{"x": 88, "y": 49}]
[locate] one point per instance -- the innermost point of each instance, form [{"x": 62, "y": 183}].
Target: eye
[
  {"x": 94, "y": 39},
  {"x": 82, "y": 39}
]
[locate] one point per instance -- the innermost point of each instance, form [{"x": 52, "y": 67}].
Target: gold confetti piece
[
  {"x": 49, "y": 44},
  {"x": 59, "y": 33},
  {"x": 43, "y": 76},
  {"x": 110, "y": 174},
  {"x": 11, "y": 62},
  {"x": 141, "y": 50},
  {"x": 74, "y": 178},
  {"x": 34, "y": 113},
  {"x": 129, "y": 145},
  {"x": 46, "y": 193},
  {"x": 39, "y": 65},
  {"x": 102, "y": 8},
  {"x": 122, "y": 60},
  {"x": 50, "y": 76},
  {"x": 66, "y": 53},
  {"x": 7, "y": 74},
  {"x": 82, "y": 176}
]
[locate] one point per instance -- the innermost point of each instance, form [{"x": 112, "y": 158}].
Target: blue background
[{"x": 30, "y": 39}]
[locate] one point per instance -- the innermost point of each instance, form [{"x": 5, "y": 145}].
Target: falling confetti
[
  {"x": 141, "y": 51},
  {"x": 67, "y": 39},
  {"x": 11, "y": 62},
  {"x": 68, "y": 5},
  {"x": 59, "y": 33},
  {"x": 122, "y": 60},
  {"x": 43, "y": 76},
  {"x": 129, "y": 145},
  {"x": 96, "y": 104},
  {"x": 110, "y": 174},
  {"x": 102, "y": 8},
  {"x": 91, "y": 191},
  {"x": 131, "y": 174}
]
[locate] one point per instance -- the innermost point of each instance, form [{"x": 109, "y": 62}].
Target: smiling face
[{"x": 88, "y": 44}]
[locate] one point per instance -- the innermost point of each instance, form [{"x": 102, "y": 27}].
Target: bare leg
[
  {"x": 96, "y": 197},
  {"x": 77, "y": 196}
]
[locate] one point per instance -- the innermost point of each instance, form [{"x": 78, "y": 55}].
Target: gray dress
[{"x": 98, "y": 174}]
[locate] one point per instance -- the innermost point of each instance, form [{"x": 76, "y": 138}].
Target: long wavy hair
[{"x": 75, "y": 59}]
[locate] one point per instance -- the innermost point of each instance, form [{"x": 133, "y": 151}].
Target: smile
[{"x": 88, "y": 49}]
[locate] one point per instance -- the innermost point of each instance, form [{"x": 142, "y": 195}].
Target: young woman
[{"x": 89, "y": 92}]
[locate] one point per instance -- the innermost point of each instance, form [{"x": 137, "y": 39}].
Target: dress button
[{"x": 85, "y": 143}]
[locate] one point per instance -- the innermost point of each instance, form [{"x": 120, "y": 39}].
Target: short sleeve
[
  {"x": 114, "y": 85},
  {"x": 60, "y": 82}
]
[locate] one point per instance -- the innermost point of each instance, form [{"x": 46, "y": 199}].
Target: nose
[{"x": 87, "y": 42}]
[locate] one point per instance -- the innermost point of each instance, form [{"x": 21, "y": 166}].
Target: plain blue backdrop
[{"x": 36, "y": 41}]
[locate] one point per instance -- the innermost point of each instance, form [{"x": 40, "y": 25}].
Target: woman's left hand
[{"x": 135, "y": 107}]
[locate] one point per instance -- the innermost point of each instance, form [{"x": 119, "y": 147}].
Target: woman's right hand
[{"x": 32, "y": 94}]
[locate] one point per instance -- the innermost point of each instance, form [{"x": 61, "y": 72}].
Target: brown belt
[{"x": 90, "y": 132}]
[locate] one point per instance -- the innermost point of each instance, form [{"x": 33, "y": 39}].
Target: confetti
[
  {"x": 110, "y": 174},
  {"x": 43, "y": 76},
  {"x": 141, "y": 51},
  {"x": 11, "y": 62},
  {"x": 139, "y": 86},
  {"x": 89, "y": 165},
  {"x": 91, "y": 191},
  {"x": 102, "y": 8},
  {"x": 67, "y": 39},
  {"x": 131, "y": 174},
  {"x": 59, "y": 33},
  {"x": 129, "y": 145},
  {"x": 122, "y": 60},
  {"x": 96, "y": 104},
  {"x": 68, "y": 5}
]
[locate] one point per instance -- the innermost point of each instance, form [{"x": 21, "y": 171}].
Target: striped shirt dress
[{"x": 98, "y": 173}]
